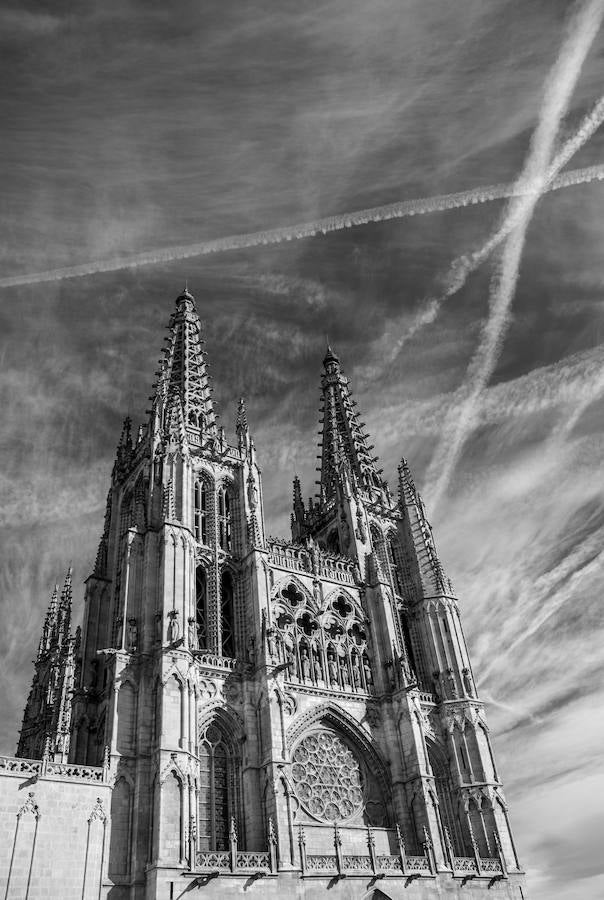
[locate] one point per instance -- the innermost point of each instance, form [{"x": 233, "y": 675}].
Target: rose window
[{"x": 327, "y": 777}]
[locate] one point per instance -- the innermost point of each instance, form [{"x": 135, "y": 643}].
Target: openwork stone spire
[
  {"x": 183, "y": 388},
  {"x": 344, "y": 444},
  {"x": 47, "y": 715}
]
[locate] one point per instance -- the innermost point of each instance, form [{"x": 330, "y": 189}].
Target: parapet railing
[
  {"x": 297, "y": 558},
  {"x": 45, "y": 767},
  {"x": 340, "y": 864},
  {"x": 234, "y": 861},
  {"x": 213, "y": 661},
  {"x": 476, "y": 865}
]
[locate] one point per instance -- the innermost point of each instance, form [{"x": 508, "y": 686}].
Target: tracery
[
  {"x": 327, "y": 776},
  {"x": 326, "y": 647}
]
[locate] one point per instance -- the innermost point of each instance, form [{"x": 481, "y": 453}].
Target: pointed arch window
[
  {"x": 224, "y": 519},
  {"x": 201, "y": 607},
  {"x": 218, "y": 790},
  {"x": 446, "y": 805},
  {"x": 227, "y": 614},
  {"x": 333, "y": 542},
  {"x": 201, "y": 512}
]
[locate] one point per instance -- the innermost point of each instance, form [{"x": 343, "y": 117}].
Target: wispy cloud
[{"x": 558, "y": 91}]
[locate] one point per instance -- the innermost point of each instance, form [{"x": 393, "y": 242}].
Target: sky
[{"x": 134, "y": 127}]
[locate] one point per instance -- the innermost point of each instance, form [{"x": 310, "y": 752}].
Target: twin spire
[
  {"x": 185, "y": 397},
  {"x": 57, "y": 624}
]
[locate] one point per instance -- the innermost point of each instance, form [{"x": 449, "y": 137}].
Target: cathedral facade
[{"x": 244, "y": 714}]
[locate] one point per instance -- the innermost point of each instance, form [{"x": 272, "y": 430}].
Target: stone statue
[
  {"x": 132, "y": 635},
  {"x": 318, "y": 669},
  {"x": 270, "y": 643},
  {"x": 192, "y": 634},
  {"x": 467, "y": 682},
  {"x": 451, "y": 683},
  {"x": 305, "y": 663},
  {"x": 332, "y": 669},
  {"x": 173, "y": 626},
  {"x": 367, "y": 670},
  {"x": 436, "y": 686},
  {"x": 344, "y": 671}
]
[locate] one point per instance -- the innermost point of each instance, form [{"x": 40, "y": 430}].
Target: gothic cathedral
[{"x": 248, "y": 715}]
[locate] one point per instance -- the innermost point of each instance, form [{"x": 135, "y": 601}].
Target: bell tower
[{"x": 445, "y": 783}]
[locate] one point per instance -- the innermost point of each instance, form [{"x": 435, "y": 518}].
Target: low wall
[{"x": 54, "y": 830}]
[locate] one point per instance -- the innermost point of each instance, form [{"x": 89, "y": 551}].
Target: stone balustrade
[
  {"x": 292, "y": 557},
  {"x": 215, "y": 662},
  {"x": 47, "y": 768},
  {"x": 297, "y": 558}
]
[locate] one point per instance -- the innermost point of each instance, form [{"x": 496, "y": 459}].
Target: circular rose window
[{"x": 327, "y": 777}]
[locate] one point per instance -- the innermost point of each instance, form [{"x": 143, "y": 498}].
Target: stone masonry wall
[{"x": 54, "y": 834}]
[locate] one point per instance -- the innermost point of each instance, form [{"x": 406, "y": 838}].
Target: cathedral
[{"x": 247, "y": 715}]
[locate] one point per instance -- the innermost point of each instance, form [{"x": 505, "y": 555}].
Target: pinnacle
[
  {"x": 242, "y": 415},
  {"x": 330, "y": 356}
]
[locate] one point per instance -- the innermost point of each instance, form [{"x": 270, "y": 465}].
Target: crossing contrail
[
  {"x": 399, "y": 210},
  {"x": 462, "y": 267},
  {"x": 560, "y": 84}
]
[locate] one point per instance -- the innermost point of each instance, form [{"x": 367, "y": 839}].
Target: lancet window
[
  {"x": 218, "y": 789},
  {"x": 224, "y": 519},
  {"x": 325, "y": 647},
  {"x": 201, "y": 607},
  {"x": 446, "y": 805},
  {"x": 227, "y": 614},
  {"x": 201, "y": 512}
]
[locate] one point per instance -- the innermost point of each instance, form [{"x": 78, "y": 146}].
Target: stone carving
[
  {"x": 132, "y": 635},
  {"x": 327, "y": 777},
  {"x": 173, "y": 628},
  {"x": 324, "y": 646},
  {"x": 467, "y": 682},
  {"x": 207, "y": 689},
  {"x": 192, "y": 634}
]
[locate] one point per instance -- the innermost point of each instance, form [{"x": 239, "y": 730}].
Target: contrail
[
  {"x": 463, "y": 266},
  {"x": 398, "y": 210},
  {"x": 561, "y": 81}
]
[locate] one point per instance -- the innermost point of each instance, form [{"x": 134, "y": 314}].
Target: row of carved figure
[{"x": 342, "y": 668}]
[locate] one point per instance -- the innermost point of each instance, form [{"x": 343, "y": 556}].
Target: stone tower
[
  {"x": 47, "y": 718},
  {"x": 277, "y": 715}
]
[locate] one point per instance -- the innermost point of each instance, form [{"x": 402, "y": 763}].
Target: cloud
[
  {"x": 129, "y": 128},
  {"x": 20, "y": 24}
]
